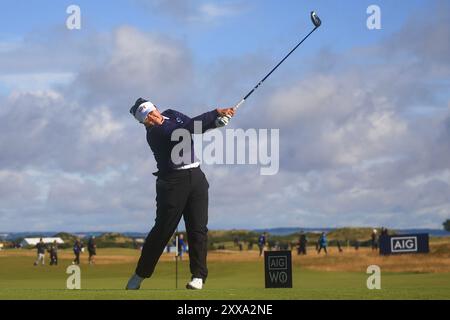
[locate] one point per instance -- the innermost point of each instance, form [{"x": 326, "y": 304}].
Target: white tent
[{"x": 31, "y": 242}]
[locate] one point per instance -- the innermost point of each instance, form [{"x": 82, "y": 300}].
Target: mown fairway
[{"x": 232, "y": 276}]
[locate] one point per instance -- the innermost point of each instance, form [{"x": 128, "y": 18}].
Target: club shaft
[
  {"x": 273, "y": 70},
  {"x": 176, "y": 260}
]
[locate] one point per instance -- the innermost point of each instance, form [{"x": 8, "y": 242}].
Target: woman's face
[{"x": 154, "y": 118}]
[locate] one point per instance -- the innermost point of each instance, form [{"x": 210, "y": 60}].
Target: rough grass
[
  {"x": 233, "y": 275},
  {"x": 438, "y": 261}
]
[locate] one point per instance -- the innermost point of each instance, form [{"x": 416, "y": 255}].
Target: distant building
[
  {"x": 31, "y": 242},
  {"x": 171, "y": 249},
  {"x": 139, "y": 241}
]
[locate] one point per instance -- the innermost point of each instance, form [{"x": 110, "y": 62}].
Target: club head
[{"x": 315, "y": 19}]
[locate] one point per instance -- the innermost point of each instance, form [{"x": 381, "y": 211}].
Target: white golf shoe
[
  {"x": 134, "y": 283},
  {"x": 195, "y": 284}
]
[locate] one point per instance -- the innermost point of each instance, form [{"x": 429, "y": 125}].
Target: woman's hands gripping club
[{"x": 225, "y": 116}]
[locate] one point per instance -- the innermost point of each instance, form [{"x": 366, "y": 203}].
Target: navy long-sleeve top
[{"x": 159, "y": 137}]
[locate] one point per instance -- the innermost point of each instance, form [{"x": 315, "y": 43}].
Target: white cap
[{"x": 143, "y": 110}]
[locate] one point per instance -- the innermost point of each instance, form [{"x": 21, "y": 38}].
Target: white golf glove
[{"x": 222, "y": 121}]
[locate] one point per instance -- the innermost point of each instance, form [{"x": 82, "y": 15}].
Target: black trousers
[
  {"x": 301, "y": 250},
  {"x": 324, "y": 248},
  {"x": 180, "y": 193},
  {"x": 77, "y": 258},
  {"x": 261, "y": 249}
]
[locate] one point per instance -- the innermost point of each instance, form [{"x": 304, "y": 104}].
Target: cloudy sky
[{"x": 364, "y": 115}]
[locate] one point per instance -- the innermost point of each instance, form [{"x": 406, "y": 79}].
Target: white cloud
[
  {"x": 35, "y": 81},
  {"x": 99, "y": 126},
  {"x": 353, "y": 150},
  {"x": 8, "y": 46},
  {"x": 211, "y": 11},
  {"x": 194, "y": 11},
  {"x": 139, "y": 64}
]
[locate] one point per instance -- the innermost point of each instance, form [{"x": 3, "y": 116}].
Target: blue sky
[
  {"x": 243, "y": 28},
  {"x": 267, "y": 25},
  {"x": 364, "y": 116}
]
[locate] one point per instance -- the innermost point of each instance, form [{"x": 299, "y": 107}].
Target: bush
[{"x": 446, "y": 225}]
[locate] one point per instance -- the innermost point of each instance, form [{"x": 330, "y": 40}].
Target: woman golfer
[{"x": 181, "y": 190}]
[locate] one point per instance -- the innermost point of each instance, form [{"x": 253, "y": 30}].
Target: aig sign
[
  {"x": 278, "y": 269},
  {"x": 403, "y": 244},
  {"x": 418, "y": 243}
]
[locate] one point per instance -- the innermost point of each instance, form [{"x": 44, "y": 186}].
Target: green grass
[{"x": 228, "y": 281}]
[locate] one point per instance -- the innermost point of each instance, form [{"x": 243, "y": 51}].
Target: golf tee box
[
  {"x": 404, "y": 244},
  {"x": 278, "y": 269}
]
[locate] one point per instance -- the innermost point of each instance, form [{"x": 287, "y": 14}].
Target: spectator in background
[
  {"x": 77, "y": 251},
  {"x": 236, "y": 241},
  {"x": 262, "y": 243},
  {"x": 302, "y": 244},
  {"x": 92, "y": 250},
  {"x": 381, "y": 239},
  {"x": 276, "y": 246},
  {"x": 339, "y": 246},
  {"x": 323, "y": 243},
  {"x": 40, "y": 247},
  {"x": 384, "y": 233},
  {"x": 174, "y": 243},
  {"x": 357, "y": 245},
  {"x": 270, "y": 244},
  {"x": 53, "y": 254},
  {"x": 374, "y": 240}
]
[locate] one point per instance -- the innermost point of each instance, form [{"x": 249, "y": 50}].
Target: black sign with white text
[
  {"x": 404, "y": 244},
  {"x": 278, "y": 268}
]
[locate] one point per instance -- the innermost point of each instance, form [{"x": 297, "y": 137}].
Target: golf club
[
  {"x": 317, "y": 23},
  {"x": 176, "y": 258}
]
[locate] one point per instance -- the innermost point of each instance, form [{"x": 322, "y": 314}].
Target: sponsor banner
[
  {"x": 278, "y": 269},
  {"x": 404, "y": 244}
]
